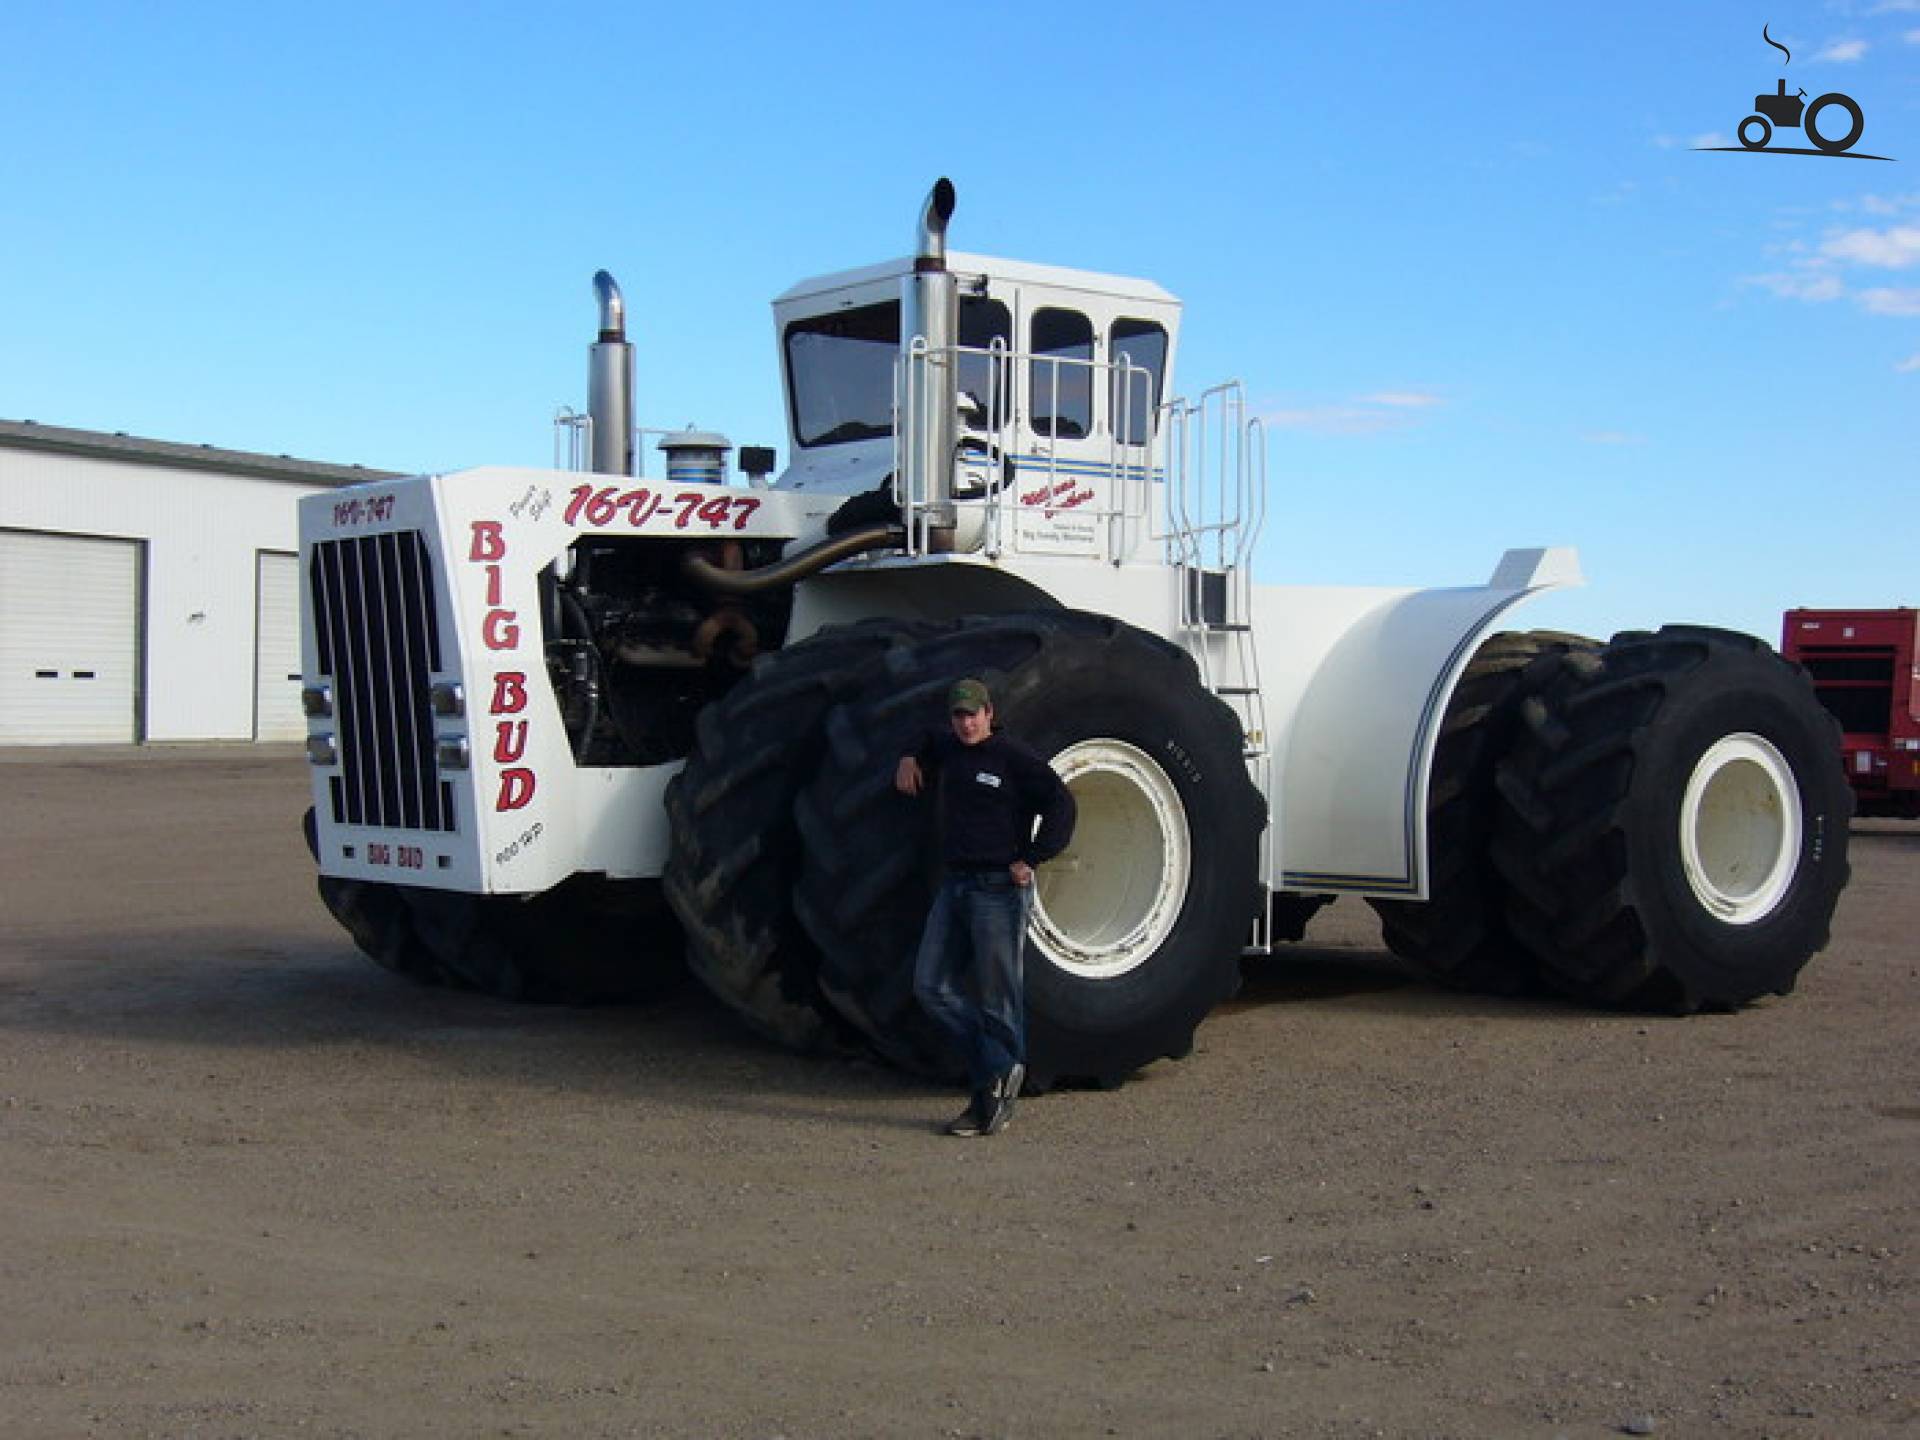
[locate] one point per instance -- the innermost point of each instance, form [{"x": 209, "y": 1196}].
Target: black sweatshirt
[{"x": 991, "y": 793}]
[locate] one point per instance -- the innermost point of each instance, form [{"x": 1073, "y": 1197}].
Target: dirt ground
[{"x": 251, "y": 1185}]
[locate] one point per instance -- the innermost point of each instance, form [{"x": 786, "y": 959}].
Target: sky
[{"x": 1467, "y": 261}]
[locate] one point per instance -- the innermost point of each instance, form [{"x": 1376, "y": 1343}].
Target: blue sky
[{"x": 1467, "y": 262}]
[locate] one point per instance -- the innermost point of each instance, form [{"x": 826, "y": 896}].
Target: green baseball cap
[{"x": 968, "y": 695}]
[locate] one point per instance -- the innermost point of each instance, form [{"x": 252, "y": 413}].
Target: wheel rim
[
  {"x": 1740, "y": 828},
  {"x": 1104, "y": 905}
]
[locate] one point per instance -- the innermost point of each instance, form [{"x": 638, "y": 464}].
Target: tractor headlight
[
  {"x": 317, "y": 700},
  {"x": 321, "y": 751},
  {"x": 452, "y": 753}
]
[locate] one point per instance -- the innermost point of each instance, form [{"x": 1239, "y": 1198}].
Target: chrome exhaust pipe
[
  {"x": 930, "y": 323},
  {"x": 610, "y": 382},
  {"x": 930, "y": 244}
]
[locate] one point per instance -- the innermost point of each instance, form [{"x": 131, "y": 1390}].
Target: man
[{"x": 967, "y": 975}]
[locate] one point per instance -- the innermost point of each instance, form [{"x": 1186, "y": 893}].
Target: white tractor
[{"x": 568, "y": 726}]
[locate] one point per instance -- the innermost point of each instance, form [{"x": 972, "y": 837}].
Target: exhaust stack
[
  {"x": 610, "y": 382},
  {"x": 930, "y": 322}
]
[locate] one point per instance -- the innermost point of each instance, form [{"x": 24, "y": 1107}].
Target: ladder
[{"x": 1216, "y": 496}]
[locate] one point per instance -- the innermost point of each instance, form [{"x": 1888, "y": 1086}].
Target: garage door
[
  {"x": 276, "y": 649},
  {"x": 69, "y": 639}
]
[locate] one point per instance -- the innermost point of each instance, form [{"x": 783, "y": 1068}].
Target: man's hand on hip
[{"x": 1022, "y": 873}]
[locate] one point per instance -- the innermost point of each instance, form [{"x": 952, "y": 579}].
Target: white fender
[{"x": 1356, "y": 683}]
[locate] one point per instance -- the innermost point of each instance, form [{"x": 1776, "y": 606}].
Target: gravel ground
[{"x": 254, "y": 1186}]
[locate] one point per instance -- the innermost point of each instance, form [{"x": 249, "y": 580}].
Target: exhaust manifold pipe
[{"x": 793, "y": 568}]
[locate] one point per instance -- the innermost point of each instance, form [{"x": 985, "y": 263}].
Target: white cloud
[
  {"x": 1403, "y": 399},
  {"x": 1888, "y": 301},
  {"x": 1843, "y": 51},
  {"x": 1912, "y": 37},
  {"x": 1909, "y": 365},
  {"x": 1705, "y": 140},
  {"x": 1799, "y": 285},
  {"x": 1364, "y": 415},
  {"x": 1841, "y": 266},
  {"x": 1333, "y": 420},
  {"x": 1891, "y": 249}
]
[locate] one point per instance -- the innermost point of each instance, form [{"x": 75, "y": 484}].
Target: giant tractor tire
[
  {"x": 587, "y": 941},
  {"x": 735, "y": 852},
  {"x": 1674, "y": 824},
  {"x": 1458, "y": 936},
  {"x": 1138, "y": 926}
]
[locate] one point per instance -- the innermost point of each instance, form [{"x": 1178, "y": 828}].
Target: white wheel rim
[
  {"x": 1105, "y": 903},
  {"x": 1740, "y": 828}
]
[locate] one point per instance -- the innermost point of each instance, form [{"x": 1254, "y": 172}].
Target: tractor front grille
[{"x": 379, "y": 638}]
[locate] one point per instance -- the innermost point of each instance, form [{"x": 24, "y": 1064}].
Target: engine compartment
[{"x": 634, "y": 649}]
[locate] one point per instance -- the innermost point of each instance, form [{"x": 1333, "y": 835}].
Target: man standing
[{"x": 968, "y": 974}]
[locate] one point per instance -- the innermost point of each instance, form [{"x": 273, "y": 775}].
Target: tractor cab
[{"x": 1058, "y": 380}]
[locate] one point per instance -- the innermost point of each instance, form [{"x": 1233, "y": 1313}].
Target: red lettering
[
  {"x": 493, "y": 584},
  {"x": 510, "y": 741},
  {"x": 499, "y": 630},
  {"x": 488, "y": 542},
  {"x": 509, "y": 693},
  {"x": 516, "y": 789}
]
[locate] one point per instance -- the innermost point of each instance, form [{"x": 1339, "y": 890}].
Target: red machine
[{"x": 1866, "y": 670}]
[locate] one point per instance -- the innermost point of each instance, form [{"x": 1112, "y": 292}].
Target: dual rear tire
[
  {"x": 1656, "y": 823},
  {"x": 1673, "y": 826}
]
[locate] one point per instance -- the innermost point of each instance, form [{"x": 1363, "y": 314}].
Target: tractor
[{"x": 574, "y": 732}]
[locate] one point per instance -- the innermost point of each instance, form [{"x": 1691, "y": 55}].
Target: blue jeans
[{"x": 968, "y": 974}]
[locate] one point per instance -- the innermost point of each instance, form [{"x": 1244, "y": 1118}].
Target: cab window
[
  {"x": 982, "y": 378},
  {"x": 1060, "y": 382},
  {"x": 841, "y": 367},
  {"x": 1138, "y": 351}
]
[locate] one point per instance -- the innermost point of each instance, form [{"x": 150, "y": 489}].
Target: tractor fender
[{"x": 1355, "y": 683}]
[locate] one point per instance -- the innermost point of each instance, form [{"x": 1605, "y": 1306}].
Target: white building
[{"x": 148, "y": 590}]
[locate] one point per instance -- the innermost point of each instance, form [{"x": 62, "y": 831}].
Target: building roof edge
[{"x": 96, "y": 444}]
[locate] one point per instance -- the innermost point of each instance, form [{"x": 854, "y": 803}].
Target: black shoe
[
  {"x": 972, "y": 1121},
  {"x": 1006, "y": 1091}
]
